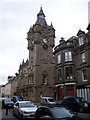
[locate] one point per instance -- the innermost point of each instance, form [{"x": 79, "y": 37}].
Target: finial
[{"x": 41, "y": 6}]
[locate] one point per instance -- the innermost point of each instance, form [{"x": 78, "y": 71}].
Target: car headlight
[
  {"x": 86, "y": 105},
  {"x": 25, "y": 112}
]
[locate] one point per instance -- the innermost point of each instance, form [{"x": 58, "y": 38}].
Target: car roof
[
  {"x": 51, "y": 106},
  {"x": 69, "y": 97},
  {"x": 47, "y": 97},
  {"x": 24, "y": 101}
]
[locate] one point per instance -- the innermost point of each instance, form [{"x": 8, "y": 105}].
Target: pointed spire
[
  {"x": 51, "y": 26},
  {"x": 41, "y": 14}
]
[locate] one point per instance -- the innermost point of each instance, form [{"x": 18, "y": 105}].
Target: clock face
[{"x": 45, "y": 40}]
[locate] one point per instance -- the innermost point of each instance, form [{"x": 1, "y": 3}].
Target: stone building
[
  {"x": 82, "y": 64},
  {"x": 22, "y": 79},
  {"x": 35, "y": 77},
  {"x": 65, "y": 81},
  {"x": 64, "y": 72}
]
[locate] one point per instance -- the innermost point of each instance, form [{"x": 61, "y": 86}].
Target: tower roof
[
  {"x": 41, "y": 13},
  {"x": 41, "y": 18}
]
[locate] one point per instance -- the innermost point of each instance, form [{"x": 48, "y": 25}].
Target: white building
[
  {"x": 7, "y": 91},
  {"x": 2, "y": 90}
]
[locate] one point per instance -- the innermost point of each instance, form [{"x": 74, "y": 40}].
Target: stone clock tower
[{"x": 41, "y": 66}]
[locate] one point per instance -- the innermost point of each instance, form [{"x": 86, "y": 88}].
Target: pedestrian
[{"x": 6, "y": 109}]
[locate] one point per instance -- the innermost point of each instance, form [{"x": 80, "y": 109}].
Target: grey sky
[{"x": 67, "y": 16}]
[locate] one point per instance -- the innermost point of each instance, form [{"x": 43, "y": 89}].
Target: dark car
[
  {"x": 17, "y": 98},
  {"x": 7, "y": 103},
  {"x": 55, "y": 113},
  {"x": 75, "y": 103}
]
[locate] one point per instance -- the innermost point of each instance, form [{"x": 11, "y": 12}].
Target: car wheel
[{"x": 80, "y": 109}]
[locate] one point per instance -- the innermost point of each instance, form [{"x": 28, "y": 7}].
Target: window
[
  {"x": 81, "y": 40},
  {"x": 30, "y": 80},
  {"x": 59, "y": 74},
  {"x": 84, "y": 75},
  {"x": 45, "y": 79},
  {"x": 59, "y": 59},
  {"x": 68, "y": 56},
  {"x": 83, "y": 57},
  {"x": 69, "y": 73}
]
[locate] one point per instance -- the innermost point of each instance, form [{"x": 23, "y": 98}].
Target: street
[{"x": 10, "y": 116}]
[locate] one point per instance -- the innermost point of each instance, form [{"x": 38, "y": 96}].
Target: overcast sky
[{"x": 67, "y": 17}]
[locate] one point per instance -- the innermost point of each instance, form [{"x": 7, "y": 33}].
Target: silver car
[{"x": 24, "y": 109}]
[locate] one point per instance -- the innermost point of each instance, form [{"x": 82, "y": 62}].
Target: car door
[
  {"x": 39, "y": 113},
  {"x": 73, "y": 104},
  {"x": 47, "y": 112}
]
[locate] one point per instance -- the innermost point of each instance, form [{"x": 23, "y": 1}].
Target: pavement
[{"x": 3, "y": 115}]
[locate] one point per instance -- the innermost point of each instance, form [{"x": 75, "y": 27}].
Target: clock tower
[{"x": 41, "y": 40}]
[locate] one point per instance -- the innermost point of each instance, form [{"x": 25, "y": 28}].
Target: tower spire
[{"x": 41, "y": 13}]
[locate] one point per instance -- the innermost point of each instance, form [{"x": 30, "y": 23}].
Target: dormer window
[{"x": 81, "y": 40}]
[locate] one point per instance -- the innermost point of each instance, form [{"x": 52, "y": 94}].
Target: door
[{"x": 70, "y": 91}]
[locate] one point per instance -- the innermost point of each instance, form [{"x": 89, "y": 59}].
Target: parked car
[
  {"x": 24, "y": 109},
  {"x": 75, "y": 104},
  {"x": 84, "y": 102},
  {"x": 7, "y": 103},
  {"x": 55, "y": 113},
  {"x": 17, "y": 98},
  {"x": 47, "y": 101}
]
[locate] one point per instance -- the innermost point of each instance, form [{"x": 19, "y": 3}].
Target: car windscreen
[
  {"x": 26, "y": 104},
  {"x": 51, "y": 100},
  {"x": 59, "y": 112},
  {"x": 8, "y": 100}
]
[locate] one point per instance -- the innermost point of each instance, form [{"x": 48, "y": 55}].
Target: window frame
[
  {"x": 59, "y": 74},
  {"x": 81, "y": 40},
  {"x": 59, "y": 58},
  {"x": 69, "y": 73},
  {"x": 84, "y": 74},
  {"x": 83, "y": 57},
  {"x": 68, "y": 56}
]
